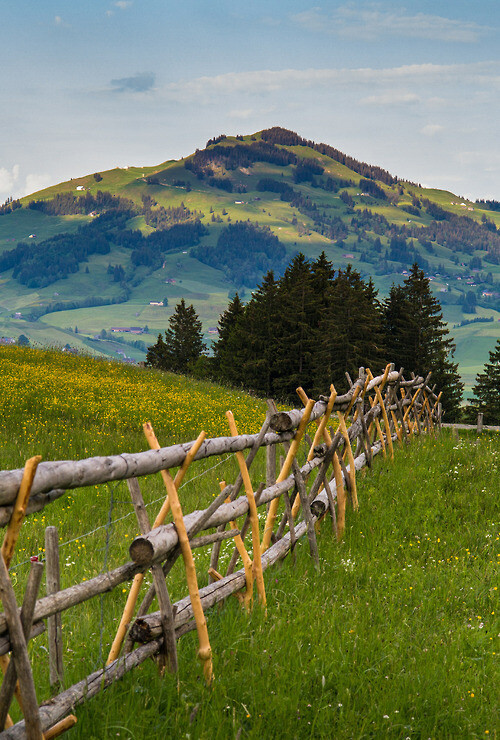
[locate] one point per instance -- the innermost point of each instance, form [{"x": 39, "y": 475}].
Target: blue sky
[{"x": 90, "y": 85}]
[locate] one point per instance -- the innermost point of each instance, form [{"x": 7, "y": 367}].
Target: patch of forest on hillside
[
  {"x": 244, "y": 252},
  {"x": 39, "y": 265}
]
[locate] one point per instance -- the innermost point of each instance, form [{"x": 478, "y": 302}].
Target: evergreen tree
[
  {"x": 295, "y": 322},
  {"x": 418, "y": 340},
  {"x": 350, "y": 333},
  {"x": 260, "y": 336},
  {"x": 487, "y": 389},
  {"x": 183, "y": 343},
  {"x": 227, "y": 357},
  {"x": 157, "y": 354}
]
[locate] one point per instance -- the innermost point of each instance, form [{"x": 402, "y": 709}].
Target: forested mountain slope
[{"x": 116, "y": 250}]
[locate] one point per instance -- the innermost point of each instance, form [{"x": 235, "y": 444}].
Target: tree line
[{"x": 313, "y": 325}]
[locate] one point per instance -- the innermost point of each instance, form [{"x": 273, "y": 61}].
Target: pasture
[{"x": 395, "y": 636}]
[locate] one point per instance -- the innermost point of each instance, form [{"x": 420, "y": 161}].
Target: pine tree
[
  {"x": 418, "y": 340},
  {"x": 261, "y": 332},
  {"x": 183, "y": 343},
  {"x": 350, "y": 331},
  {"x": 487, "y": 389},
  {"x": 294, "y": 329},
  {"x": 227, "y": 358},
  {"x": 157, "y": 354}
]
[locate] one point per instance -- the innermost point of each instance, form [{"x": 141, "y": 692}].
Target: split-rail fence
[{"x": 349, "y": 430}]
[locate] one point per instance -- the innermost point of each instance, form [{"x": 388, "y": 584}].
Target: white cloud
[
  {"x": 371, "y": 23},
  {"x": 391, "y": 98},
  {"x": 60, "y": 22},
  {"x": 432, "y": 129},
  {"x": 35, "y": 182},
  {"x": 122, "y": 4},
  {"x": 242, "y": 113},
  {"x": 260, "y": 82},
  {"x": 8, "y": 179}
]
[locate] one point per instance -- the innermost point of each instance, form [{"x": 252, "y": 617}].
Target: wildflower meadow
[{"x": 396, "y": 635}]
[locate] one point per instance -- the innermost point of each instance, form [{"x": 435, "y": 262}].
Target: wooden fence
[{"x": 349, "y": 430}]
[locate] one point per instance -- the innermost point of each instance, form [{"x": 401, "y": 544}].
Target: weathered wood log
[
  {"x": 76, "y": 594},
  {"x": 244, "y": 529},
  {"x": 36, "y": 503},
  {"x": 193, "y": 528},
  {"x": 20, "y": 655},
  {"x": 10, "y": 679},
  {"x": 36, "y": 630},
  {"x": 69, "y": 474}
]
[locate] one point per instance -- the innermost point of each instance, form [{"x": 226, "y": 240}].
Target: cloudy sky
[{"x": 411, "y": 86}]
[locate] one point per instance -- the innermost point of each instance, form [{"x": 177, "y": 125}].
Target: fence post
[
  {"x": 479, "y": 423},
  {"x": 54, "y": 625}
]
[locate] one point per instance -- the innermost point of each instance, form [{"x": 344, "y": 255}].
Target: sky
[{"x": 88, "y": 85}]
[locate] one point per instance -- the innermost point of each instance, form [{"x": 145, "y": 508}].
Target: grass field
[{"x": 395, "y": 637}]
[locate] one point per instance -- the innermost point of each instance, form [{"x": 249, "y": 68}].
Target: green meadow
[{"x": 396, "y": 635}]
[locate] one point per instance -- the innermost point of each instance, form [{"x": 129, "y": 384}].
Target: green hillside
[{"x": 311, "y": 197}]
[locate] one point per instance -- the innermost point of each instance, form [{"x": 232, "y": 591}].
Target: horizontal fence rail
[{"x": 376, "y": 413}]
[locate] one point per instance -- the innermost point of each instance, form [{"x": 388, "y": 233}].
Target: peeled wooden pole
[
  {"x": 205, "y": 651},
  {"x": 254, "y": 516},
  {"x": 139, "y": 577},
  {"x": 386, "y": 422},
  {"x": 284, "y": 473},
  {"x": 245, "y": 559},
  {"x": 17, "y": 517},
  {"x": 352, "y": 469},
  {"x": 397, "y": 428},
  {"x": 65, "y": 724}
]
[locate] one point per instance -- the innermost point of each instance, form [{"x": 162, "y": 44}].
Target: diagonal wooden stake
[
  {"x": 245, "y": 558},
  {"x": 139, "y": 578},
  {"x": 352, "y": 469},
  {"x": 254, "y": 516},
  {"x": 205, "y": 651}
]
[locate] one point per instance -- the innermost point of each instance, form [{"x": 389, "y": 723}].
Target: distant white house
[
  {"x": 80, "y": 187},
  {"x": 156, "y": 303}
]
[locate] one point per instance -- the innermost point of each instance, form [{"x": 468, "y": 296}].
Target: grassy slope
[
  {"x": 203, "y": 286},
  {"x": 397, "y": 636}
]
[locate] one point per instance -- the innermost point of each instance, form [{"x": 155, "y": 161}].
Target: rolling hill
[{"x": 89, "y": 263}]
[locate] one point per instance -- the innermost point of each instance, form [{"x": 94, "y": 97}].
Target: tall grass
[{"x": 396, "y": 636}]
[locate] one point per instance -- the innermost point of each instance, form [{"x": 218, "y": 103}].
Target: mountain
[{"x": 91, "y": 262}]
